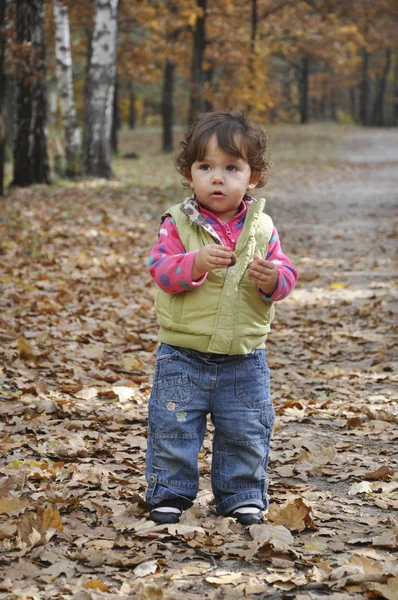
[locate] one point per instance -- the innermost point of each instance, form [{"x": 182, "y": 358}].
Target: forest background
[{"x": 158, "y": 64}]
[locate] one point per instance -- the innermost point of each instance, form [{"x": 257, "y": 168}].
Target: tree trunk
[
  {"x": 2, "y": 94},
  {"x": 395, "y": 92},
  {"x": 167, "y": 105},
  {"x": 73, "y": 146},
  {"x": 132, "y": 109},
  {"x": 333, "y": 102},
  {"x": 30, "y": 149},
  {"x": 198, "y": 76},
  {"x": 10, "y": 109},
  {"x": 364, "y": 90},
  {"x": 302, "y": 81},
  {"x": 252, "y": 52},
  {"x": 353, "y": 104},
  {"x": 323, "y": 106},
  {"x": 254, "y": 25},
  {"x": 115, "y": 119},
  {"x": 378, "y": 112},
  {"x": 100, "y": 90},
  {"x": 209, "y": 79}
]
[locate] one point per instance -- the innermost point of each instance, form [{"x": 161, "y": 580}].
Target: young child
[{"x": 219, "y": 268}]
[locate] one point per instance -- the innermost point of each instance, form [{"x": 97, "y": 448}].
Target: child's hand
[
  {"x": 264, "y": 273},
  {"x": 211, "y": 257}
]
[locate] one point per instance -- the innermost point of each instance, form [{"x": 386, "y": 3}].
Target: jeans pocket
[
  {"x": 175, "y": 379},
  {"x": 253, "y": 380}
]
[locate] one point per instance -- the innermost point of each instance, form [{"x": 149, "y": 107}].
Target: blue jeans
[{"x": 187, "y": 386}]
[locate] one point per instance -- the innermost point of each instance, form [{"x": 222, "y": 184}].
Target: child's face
[{"x": 220, "y": 181}]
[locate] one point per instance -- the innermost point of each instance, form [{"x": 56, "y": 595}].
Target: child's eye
[
  {"x": 204, "y": 167},
  {"x": 232, "y": 168}
]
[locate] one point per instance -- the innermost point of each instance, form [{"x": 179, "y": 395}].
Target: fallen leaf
[
  {"x": 364, "y": 487},
  {"x": 124, "y": 393},
  {"x": 224, "y": 578},
  {"x": 389, "y": 591},
  {"x": 11, "y": 505},
  {"x": 293, "y": 515},
  {"x": 146, "y": 568},
  {"x": 382, "y": 474},
  {"x": 34, "y": 526},
  {"x": 96, "y": 584},
  {"x": 25, "y": 350},
  {"x": 337, "y": 286}
]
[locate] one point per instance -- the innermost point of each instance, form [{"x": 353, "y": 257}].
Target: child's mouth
[{"x": 217, "y": 193}]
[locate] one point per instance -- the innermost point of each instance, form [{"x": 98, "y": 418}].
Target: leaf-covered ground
[{"x": 78, "y": 334}]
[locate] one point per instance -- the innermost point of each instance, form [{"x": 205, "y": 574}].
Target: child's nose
[{"x": 218, "y": 177}]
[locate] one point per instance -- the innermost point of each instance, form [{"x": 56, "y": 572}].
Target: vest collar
[{"x": 190, "y": 208}]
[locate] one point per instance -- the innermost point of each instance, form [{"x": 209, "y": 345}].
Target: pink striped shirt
[{"x": 171, "y": 266}]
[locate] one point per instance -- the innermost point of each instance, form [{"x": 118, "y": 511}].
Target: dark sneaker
[
  {"x": 167, "y": 511},
  {"x": 248, "y": 515}
]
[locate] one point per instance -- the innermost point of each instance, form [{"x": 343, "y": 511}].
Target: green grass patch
[{"x": 289, "y": 146}]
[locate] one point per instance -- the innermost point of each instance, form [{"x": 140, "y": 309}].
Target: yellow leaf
[
  {"x": 19, "y": 464},
  {"x": 15, "y": 464},
  {"x": 95, "y": 584},
  {"x": 337, "y": 286}
]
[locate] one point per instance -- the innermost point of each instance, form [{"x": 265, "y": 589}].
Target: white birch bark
[
  {"x": 100, "y": 90},
  {"x": 73, "y": 149}
]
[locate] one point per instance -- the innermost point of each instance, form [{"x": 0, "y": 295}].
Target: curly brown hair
[{"x": 236, "y": 135}]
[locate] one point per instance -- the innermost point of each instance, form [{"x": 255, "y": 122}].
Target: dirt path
[{"x": 77, "y": 328}]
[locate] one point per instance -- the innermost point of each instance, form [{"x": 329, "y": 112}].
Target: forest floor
[{"x": 77, "y": 342}]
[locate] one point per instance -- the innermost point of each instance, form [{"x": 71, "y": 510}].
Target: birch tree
[
  {"x": 63, "y": 57},
  {"x": 100, "y": 90},
  {"x": 30, "y": 149}
]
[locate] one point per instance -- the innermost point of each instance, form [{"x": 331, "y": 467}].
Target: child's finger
[
  {"x": 258, "y": 260},
  {"x": 257, "y": 267}
]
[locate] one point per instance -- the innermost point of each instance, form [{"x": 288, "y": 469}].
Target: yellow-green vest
[{"x": 224, "y": 315}]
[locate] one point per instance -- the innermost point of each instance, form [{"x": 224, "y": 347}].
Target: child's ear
[
  {"x": 188, "y": 179},
  {"x": 254, "y": 179}
]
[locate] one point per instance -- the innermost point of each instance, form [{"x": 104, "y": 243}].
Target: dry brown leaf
[
  {"x": 389, "y": 591},
  {"x": 293, "y": 515},
  {"x": 47, "y": 518},
  {"x": 382, "y": 474},
  {"x": 224, "y": 578},
  {"x": 255, "y": 588},
  {"x": 11, "y": 505},
  {"x": 270, "y": 538},
  {"x": 387, "y": 539},
  {"x": 87, "y": 393}
]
